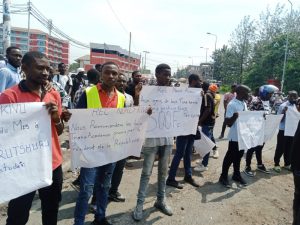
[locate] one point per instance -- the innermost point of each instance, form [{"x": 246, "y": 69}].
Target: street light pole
[
  {"x": 145, "y": 63},
  {"x": 192, "y": 60},
  {"x": 206, "y": 49},
  {"x": 286, "y": 51},
  {"x": 215, "y": 50}
]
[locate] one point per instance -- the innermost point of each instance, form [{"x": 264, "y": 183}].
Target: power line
[
  {"x": 49, "y": 25},
  {"x": 115, "y": 14}
]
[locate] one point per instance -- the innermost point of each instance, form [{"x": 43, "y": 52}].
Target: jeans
[
  {"x": 258, "y": 154},
  {"x": 208, "y": 131},
  {"x": 233, "y": 156},
  {"x": 184, "y": 146},
  {"x": 18, "y": 208},
  {"x": 117, "y": 176},
  {"x": 149, "y": 157},
  {"x": 296, "y": 203},
  {"x": 88, "y": 176},
  {"x": 284, "y": 147}
]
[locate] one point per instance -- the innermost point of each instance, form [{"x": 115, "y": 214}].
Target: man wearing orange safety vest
[{"x": 103, "y": 95}]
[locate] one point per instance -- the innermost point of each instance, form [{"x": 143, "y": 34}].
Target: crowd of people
[{"x": 107, "y": 87}]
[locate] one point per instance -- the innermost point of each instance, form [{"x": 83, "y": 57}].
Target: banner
[
  {"x": 292, "y": 117},
  {"x": 271, "y": 126},
  {"x": 106, "y": 135},
  {"x": 176, "y": 110},
  {"x": 204, "y": 145},
  {"x": 25, "y": 149},
  {"x": 250, "y": 129}
]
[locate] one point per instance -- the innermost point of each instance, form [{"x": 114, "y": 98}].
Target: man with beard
[{"x": 10, "y": 74}]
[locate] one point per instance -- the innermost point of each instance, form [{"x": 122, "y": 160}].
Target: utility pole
[
  {"x": 129, "y": 57},
  {"x": 141, "y": 61},
  {"x": 6, "y": 25},
  {"x": 215, "y": 51},
  {"x": 146, "y": 52},
  {"x": 28, "y": 26},
  {"x": 50, "y": 26},
  {"x": 206, "y": 49}
]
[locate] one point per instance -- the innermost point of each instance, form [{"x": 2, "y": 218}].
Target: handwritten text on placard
[
  {"x": 102, "y": 136},
  {"x": 176, "y": 110},
  {"x": 25, "y": 149}
]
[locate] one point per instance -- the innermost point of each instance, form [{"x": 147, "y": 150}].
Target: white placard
[
  {"x": 176, "y": 110},
  {"x": 271, "y": 125},
  {"x": 102, "y": 136},
  {"x": 292, "y": 118},
  {"x": 204, "y": 145},
  {"x": 250, "y": 128},
  {"x": 25, "y": 149}
]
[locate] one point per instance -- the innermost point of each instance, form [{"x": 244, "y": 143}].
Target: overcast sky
[{"x": 171, "y": 30}]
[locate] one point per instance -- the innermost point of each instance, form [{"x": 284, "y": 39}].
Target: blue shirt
[
  {"x": 281, "y": 107},
  {"x": 9, "y": 76},
  {"x": 234, "y": 106}
]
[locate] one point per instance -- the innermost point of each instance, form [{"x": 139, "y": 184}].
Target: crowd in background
[{"x": 60, "y": 92}]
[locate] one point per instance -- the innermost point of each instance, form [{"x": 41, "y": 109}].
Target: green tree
[
  {"x": 74, "y": 66},
  {"x": 242, "y": 41},
  {"x": 226, "y": 65}
]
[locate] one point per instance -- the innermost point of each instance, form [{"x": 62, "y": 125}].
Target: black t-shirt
[
  {"x": 208, "y": 102},
  {"x": 131, "y": 89}
]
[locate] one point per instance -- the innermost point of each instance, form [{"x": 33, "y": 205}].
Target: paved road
[{"x": 267, "y": 199}]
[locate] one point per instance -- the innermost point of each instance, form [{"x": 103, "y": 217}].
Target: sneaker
[
  {"x": 287, "y": 167},
  {"x": 277, "y": 169},
  {"x": 93, "y": 208},
  {"x": 191, "y": 181},
  {"x": 163, "y": 207},
  {"x": 116, "y": 197},
  {"x": 193, "y": 150},
  {"x": 238, "y": 178},
  {"x": 137, "y": 214},
  {"x": 101, "y": 222},
  {"x": 215, "y": 154},
  {"x": 200, "y": 168},
  {"x": 174, "y": 183},
  {"x": 263, "y": 169},
  {"x": 224, "y": 181},
  {"x": 248, "y": 171}
]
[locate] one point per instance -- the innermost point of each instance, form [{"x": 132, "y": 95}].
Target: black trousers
[
  {"x": 233, "y": 156},
  {"x": 223, "y": 126},
  {"x": 18, "y": 209},
  {"x": 258, "y": 154},
  {"x": 117, "y": 176},
  {"x": 284, "y": 147},
  {"x": 296, "y": 204}
]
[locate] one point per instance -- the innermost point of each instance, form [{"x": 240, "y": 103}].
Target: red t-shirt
[
  {"x": 20, "y": 93},
  {"x": 107, "y": 101}
]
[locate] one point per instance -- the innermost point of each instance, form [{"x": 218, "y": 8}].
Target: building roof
[
  {"x": 114, "y": 48},
  {"x": 83, "y": 58},
  {"x": 35, "y": 31}
]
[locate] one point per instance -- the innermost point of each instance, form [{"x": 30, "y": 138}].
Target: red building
[
  {"x": 56, "y": 49},
  {"x": 101, "y": 53}
]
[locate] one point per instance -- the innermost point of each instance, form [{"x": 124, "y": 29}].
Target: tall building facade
[
  {"x": 56, "y": 49},
  {"x": 101, "y": 53}
]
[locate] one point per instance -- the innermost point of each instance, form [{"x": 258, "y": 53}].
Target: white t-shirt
[
  {"x": 233, "y": 107},
  {"x": 63, "y": 80}
]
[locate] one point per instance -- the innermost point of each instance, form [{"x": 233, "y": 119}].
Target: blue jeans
[
  {"x": 88, "y": 176},
  {"x": 184, "y": 146},
  {"x": 208, "y": 131},
  {"x": 149, "y": 157}
]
